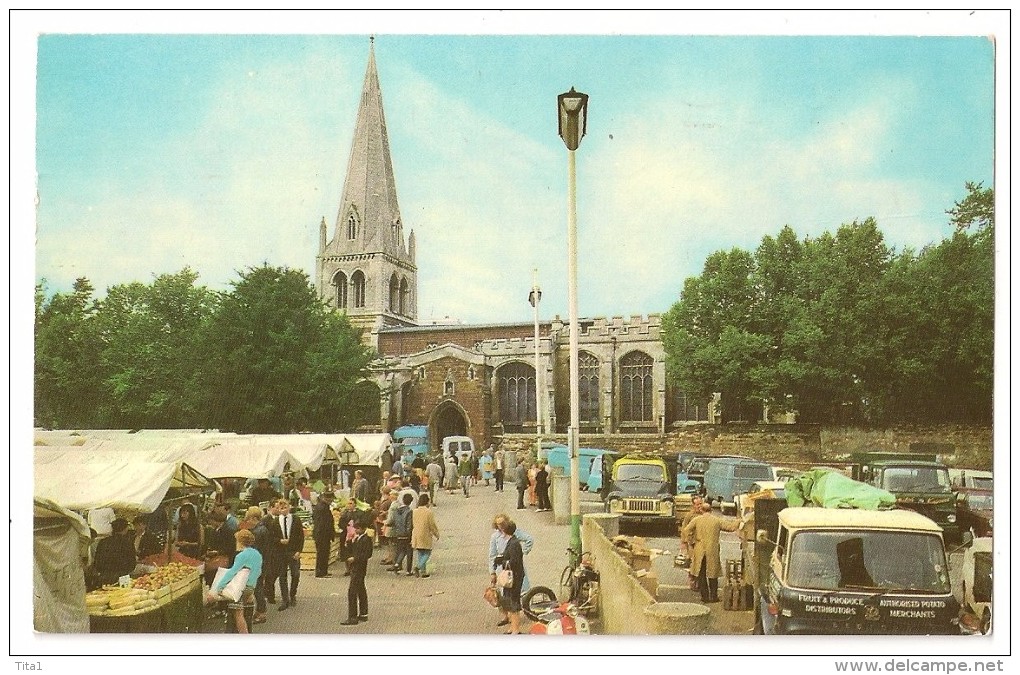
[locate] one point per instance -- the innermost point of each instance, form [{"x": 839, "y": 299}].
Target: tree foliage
[
  {"x": 843, "y": 329},
  {"x": 267, "y": 356}
]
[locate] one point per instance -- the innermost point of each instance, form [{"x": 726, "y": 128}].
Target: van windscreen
[
  {"x": 752, "y": 471},
  {"x": 863, "y": 560}
]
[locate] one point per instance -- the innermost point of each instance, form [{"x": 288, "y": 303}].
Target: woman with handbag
[
  {"x": 508, "y": 574},
  {"x": 248, "y": 558}
]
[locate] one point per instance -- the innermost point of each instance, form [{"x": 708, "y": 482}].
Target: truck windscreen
[
  {"x": 915, "y": 479},
  {"x": 868, "y": 560},
  {"x": 640, "y": 472}
]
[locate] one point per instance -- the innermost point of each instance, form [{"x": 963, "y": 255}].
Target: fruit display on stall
[{"x": 145, "y": 593}]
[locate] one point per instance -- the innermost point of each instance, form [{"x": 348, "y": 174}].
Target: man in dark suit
[
  {"x": 359, "y": 551},
  {"x": 288, "y": 535},
  {"x": 323, "y": 532}
]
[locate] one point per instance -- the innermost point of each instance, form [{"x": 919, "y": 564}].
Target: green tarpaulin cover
[{"x": 833, "y": 490}]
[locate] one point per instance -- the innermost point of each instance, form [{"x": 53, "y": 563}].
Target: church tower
[{"x": 366, "y": 269}]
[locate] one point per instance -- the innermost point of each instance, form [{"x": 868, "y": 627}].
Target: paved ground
[{"x": 450, "y": 601}]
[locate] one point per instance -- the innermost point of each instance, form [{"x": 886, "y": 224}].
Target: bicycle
[{"x": 578, "y": 584}]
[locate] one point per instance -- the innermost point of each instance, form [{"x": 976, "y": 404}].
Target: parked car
[
  {"x": 974, "y": 511},
  {"x": 977, "y": 582},
  {"x": 727, "y": 477},
  {"x": 775, "y": 489}
]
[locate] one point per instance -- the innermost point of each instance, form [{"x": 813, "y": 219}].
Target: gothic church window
[
  {"x": 340, "y": 281},
  {"x": 516, "y": 396},
  {"x": 636, "y": 387},
  {"x": 352, "y": 227},
  {"x": 358, "y": 281},
  {"x": 588, "y": 386},
  {"x": 395, "y": 294},
  {"x": 405, "y": 297}
]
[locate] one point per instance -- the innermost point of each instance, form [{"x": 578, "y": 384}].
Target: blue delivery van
[
  {"x": 413, "y": 437},
  {"x": 560, "y": 456}
]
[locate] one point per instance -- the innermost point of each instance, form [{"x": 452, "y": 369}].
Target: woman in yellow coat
[
  {"x": 704, "y": 531},
  {"x": 424, "y": 531}
]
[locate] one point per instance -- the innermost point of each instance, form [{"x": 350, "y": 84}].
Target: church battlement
[{"x": 496, "y": 346}]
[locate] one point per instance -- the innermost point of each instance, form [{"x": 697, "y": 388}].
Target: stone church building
[{"x": 476, "y": 380}]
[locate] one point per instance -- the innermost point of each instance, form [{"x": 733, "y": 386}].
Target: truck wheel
[
  {"x": 537, "y": 601},
  {"x": 759, "y": 628}
]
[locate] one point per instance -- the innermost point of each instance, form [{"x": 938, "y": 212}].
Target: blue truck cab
[{"x": 413, "y": 437}]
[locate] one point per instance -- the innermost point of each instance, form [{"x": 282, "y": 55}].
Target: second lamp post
[{"x": 572, "y": 109}]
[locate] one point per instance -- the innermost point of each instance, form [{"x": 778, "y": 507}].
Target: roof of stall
[
  {"x": 80, "y": 479},
  {"x": 307, "y": 451},
  {"x": 367, "y": 449}
]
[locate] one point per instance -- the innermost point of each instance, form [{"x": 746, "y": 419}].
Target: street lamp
[
  {"x": 572, "y": 112},
  {"x": 534, "y": 298}
]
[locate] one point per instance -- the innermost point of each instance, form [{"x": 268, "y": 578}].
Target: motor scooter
[{"x": 562, "y": 619}]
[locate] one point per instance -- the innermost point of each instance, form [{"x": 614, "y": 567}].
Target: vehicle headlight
[
  {"x": 951, "y": 518},
  {"x": 615, "y": 505}
]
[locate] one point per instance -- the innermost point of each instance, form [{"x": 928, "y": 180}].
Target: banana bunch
[{"x": 116, "y": 601}]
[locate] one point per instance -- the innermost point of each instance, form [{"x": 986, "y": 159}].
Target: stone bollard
[
  {"x": 677, "y": 618},
  {"x": 560, "y": 498},
  {"x": 609, "y": 522}
]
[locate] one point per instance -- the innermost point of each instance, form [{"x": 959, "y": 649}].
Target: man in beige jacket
[{"x": 703, "y": 531}]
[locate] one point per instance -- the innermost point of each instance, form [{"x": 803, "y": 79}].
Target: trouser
[
  {"x": 260, "y": 596},
  {"x": 520, "y": 497},
  {"x": 403, "y": 549},
  {"x": 267, "y": 581},
  {"x": 292, "y": 568},
  {"x": 543, "y": 497},
  {"x": 432, "y": 491},
  {"x": 464, "y": 485},
  {"x": 709, "y": 588},
  {"x": 421, "y": 558},
  {"x": 357, "y": 594},
  {"x": 499, "y": 480},
  {"x": 321, "y": 557}
]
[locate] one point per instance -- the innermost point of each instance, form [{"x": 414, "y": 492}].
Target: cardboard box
[{"x": 650, "y": 582}]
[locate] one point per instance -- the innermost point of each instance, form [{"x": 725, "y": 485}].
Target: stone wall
[
  {"x": 471, "y": 394},
  {"x": 795, "y": 444}
]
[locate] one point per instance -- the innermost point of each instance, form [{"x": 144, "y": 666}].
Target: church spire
[{"x": 369, "y": 217}]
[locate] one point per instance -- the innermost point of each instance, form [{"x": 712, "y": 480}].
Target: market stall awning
[
  {"x": 365, "y": 449},
  {"x": 307, "y": 451},
  {"x": 84, "y": 480},
  {"x": 241, "y": 458}
]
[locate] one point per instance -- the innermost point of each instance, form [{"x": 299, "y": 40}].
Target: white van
[{"x": 460, "y": 446}]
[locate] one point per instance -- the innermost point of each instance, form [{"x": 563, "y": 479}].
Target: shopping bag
[
  {"x": 491, "y": 596},
  {"x": 235, "y": 587}
]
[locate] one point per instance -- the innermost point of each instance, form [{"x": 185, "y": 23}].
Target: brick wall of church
[{"x": 424, "y": 395}]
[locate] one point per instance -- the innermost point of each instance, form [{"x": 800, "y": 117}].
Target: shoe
[
  {"x": 363, "y": 617},
  {"x": 504, "y": 622},
  {"x": 349, "y": 622},
  {"x": 393, "y": 568},
  {"x": 283, "y": 606},
  {"x": 417, "y": 572},
  {"x": 259, "y": 619},
  {"x": 425, "y": 576},
  {"x": 293, "y": 602},
  {"x": 271, "y": 601},
  {"x": 346, "y": 574}
]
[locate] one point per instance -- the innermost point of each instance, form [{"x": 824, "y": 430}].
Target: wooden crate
[{"x": 308, "y": 554}]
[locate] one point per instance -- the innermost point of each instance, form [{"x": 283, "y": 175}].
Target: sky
[
  {"x": 144, "y": 142},
  {"x": 220, "y": 152}
]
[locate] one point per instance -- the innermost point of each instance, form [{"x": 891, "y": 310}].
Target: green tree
[
  {"x": 279, "y": 361},
  {"x": 151, "y": 350},
  {"x": 68, "y": 375}
]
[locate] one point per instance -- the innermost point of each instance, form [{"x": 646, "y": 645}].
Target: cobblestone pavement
[{"x": 450, "y": 600}]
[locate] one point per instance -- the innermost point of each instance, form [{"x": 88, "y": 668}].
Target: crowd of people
[{"x": 394, "y": 514}]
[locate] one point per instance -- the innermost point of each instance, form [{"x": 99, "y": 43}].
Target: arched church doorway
[{"x": 449, "y": 419}]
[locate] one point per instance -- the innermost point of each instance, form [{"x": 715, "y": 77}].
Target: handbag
[
  {"x": 235, "y": 587},
  {"x": 491, "y": 596},
  {"x": 505, "y": 577}
]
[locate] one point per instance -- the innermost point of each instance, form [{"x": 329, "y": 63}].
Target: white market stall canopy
[
  {"x": 82, "y": 480},
  {"x": 307, "y": 451},
  {"x": 241, "y": 458},
  {"x": 366, "y": 449}
]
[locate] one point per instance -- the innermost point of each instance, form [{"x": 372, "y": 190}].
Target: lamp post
[
  {"x": 572, "y": 110},
  {"x": 534, "y": 298}
]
